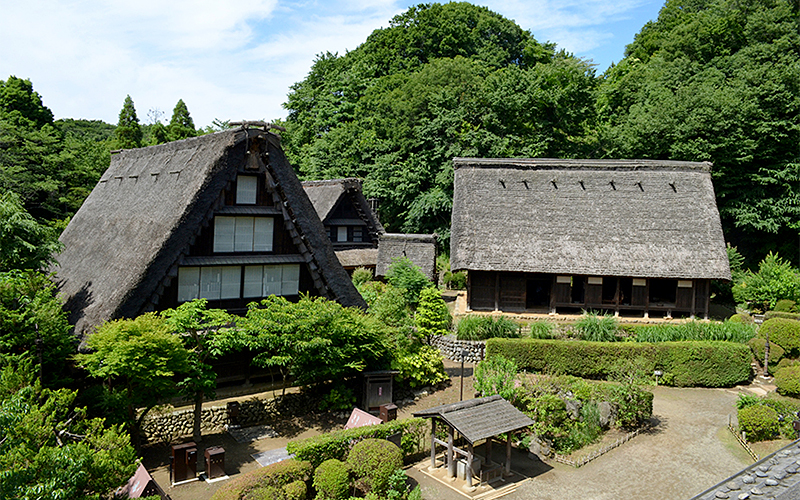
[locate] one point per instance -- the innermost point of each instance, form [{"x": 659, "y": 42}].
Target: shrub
[
  {"x": 787, "y": 380},
  {"x": 389, "y": 304},
  {"x": 478, "y": 327},
  {"x": 784, "y": 332},
  {"x": 759, "y": 422},
  {"x": 432, "y": 316},
  {"x": 402, "y": 273},
  {"x": 741, "y": 318},
  {"x": 332, "y": 480},
  {"x": 372, "y": 462},
  {"x": 684, "y": 364},
  {"x": 336, "y": 444},
  {"x": 746, "y": 400},
  {"x": 634, "y": 405},
  {"x": 784, "y": 315},
  {"x": 731, "y": 331},
  {"x": 339, "y": 398},
  {"x": 542, "y": 330},
  {"x": 496, "y": 375},
  {"x": 360, "y": 276},
  {"x": 455, "y": 281},
  {"x": 421, "y": 368},
  {"x": 776, "y": 279},
  {"x": 596, "y": 328},
  {"x": 276, "y": 477},
  {"x": 785, "y": 305},
  {"x": 775, "y": 352}
]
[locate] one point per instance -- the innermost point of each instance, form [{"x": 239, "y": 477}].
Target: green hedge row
[
  {"x": 782, "y": 315},
  {"x": 684, "y": 364},
  {"x": 337, "y": 444}
]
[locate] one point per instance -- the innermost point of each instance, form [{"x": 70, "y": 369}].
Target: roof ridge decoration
[{"x": 583, "y": 164}]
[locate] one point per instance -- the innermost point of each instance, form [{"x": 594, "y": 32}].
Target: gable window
[
  {"x": 246, "y": 190},
  {"x": 263, "y": 281},
  {"x": 358, "y": 234},
  {"x": 341, "y": 233},
  {"x": 242, "y": 234},
  {"x": 212, "y": 283}
]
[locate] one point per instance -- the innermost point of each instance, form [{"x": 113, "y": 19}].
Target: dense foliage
[
  {"x": 482, "y": 327},
  {"x": 729, "y": 331},
  {"x": 432, "y": 316},
  {"x": 718, "y": 80},
  {"x": 683, "y": 364},
  {"x": 332, "y": 480},
  {"x": 784, "y": 332},
  {"x": 372, "y": 462},
  {"x": 787, "y": 380},
  {"x": 775, "y": 280},
  {"x": 496, "y": 375},
  {"x": 440, "y": 81},
  {"x": 759, "y": 422},
  {"x": 597, "y": 328},
  {"x": 258, "y": 483}
]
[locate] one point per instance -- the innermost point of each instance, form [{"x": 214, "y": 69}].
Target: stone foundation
[{"x": 451, "y": 348}]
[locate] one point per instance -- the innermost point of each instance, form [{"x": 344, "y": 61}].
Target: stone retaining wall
[
  {"x": 451, "y": 348},
  {"x": 167, "y": 425}
]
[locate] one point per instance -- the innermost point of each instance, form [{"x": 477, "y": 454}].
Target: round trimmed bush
[
  {"x": 332, "y": 480},
  {"x": 784, "y": 332},
  {"x": 759, "y": 422},
  {"x": 372, "y": 462},
  {"x": 741, "y": 318},
  {"x": 776, "y": 352},
  {"x": 785, "y": 305},
  {"x": 295, "y": 490},
  {"x": 787, "y": 379}
]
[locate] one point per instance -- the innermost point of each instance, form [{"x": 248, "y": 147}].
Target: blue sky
[{"x": 237, "y": 60}]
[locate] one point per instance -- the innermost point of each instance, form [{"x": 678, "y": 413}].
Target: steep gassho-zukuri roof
[
  {"x": 125, "y": 243},
  {"x": 325, "y": 195},
  {"x": 637, "y": 218}
]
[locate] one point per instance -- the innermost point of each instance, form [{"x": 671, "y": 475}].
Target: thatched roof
[
  {"x": 637, "y": 218},
  {"x": 419, "y": 248},
  {"x": 481, "y": 418},
  {"x": 357, "y": 257},
  {"x": 123, "y": 247},
  {"x": 328, "y": 194}
]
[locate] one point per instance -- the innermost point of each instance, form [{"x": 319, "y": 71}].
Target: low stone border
[{"x": 451, "y": 348}]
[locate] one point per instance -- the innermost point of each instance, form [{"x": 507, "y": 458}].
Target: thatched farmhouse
[
  {"x": 420, "y": 249},
  {"x": 547, "y": 235},
  {"x": 221, "y": 217},
  {"x": 350, "y": 222}
]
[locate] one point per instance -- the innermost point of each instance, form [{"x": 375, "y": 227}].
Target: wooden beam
[
  {"x": 433, "y": 443},
  {"x": 489, "y": 450},
  {"x": 469, "y": 465},
  {"x": 496, "y": 290},
  {"x": 508, "y": 454},
  {"x": 451, "y": 463}
]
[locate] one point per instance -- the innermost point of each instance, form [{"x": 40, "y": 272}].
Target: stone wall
[
  {"x": 167, "y": 424},
  {"x": 451, "y": 348}
]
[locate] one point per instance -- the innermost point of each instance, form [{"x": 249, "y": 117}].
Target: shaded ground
[{"x": 688, "y": 450}]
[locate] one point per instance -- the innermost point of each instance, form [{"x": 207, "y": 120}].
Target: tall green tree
[
  {"x": 138, "y": 360},
  {"x": 49, "y": 449},
  {"x": 181, "y": 125},
  {"x": 197, "y": 325},
  {"x": 441, "y": 81},
  {"x": 25, "y": 243},
  {"x": 718, "y": 80},
  {"x": 128, "y": 134}
]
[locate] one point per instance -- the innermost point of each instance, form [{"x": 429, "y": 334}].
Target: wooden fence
[
  {"x": 742, "y": 438},
  {"x": 597, "y": 453}
]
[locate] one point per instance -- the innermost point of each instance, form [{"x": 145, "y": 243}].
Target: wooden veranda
[{"x": 475, "y": 420}]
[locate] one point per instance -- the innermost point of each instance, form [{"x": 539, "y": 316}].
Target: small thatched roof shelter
[
  {"x": 327, "y": 195},
  {"x": 475, "y": 420},
  {"x": 153, "y": 212},
  {"x": 640, "y": 218},
  {"x": 419, "y": 248}
]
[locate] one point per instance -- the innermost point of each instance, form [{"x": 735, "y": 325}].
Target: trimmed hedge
[
  {"x": 784, "y": 332},
  {"x": 372, "y": 462},
  {"x": 787, "y": 380},
  {"x": 337, "y": 444},
  {"x": 782, "y": 315},
  {"x": 332, "y": 480},
  {"x": 759, "y": 422},
  {"x": 684, "y": 364},
  {"x": 271, "y": 481}
]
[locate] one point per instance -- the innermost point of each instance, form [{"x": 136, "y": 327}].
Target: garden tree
[
  {"x": 32, "y": 322},
  {"x": 25, "y": 243},
  {"x": 138, "y": 360},
  {"x": 49, "y": 449},
  {"x": 128, "y": 134},
  {"x": 196, "y": 325},
  {"x": 91, "y": 130},
  {"x": 432, "y": 316},
  {"x": 718, "y": 80},
  {"x": 441, "y": 81},
  {"x": 314, "y": 340},
  {"x": 181, "y": 125},
  {"x": 157, "y": 134},
  {"x": 18, "y": 100},
  {"x": 776, "y": 279},
  {"x": 404, "y": 274}
]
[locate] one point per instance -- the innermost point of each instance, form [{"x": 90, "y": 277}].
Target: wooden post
[
  {"x": 508, "y": 454},
  {"x": 694, "y": 298},
  {"x": 497, "y": 291},
  {"x": 451, "y": 464},
  {"x": 470, "y": 457},
  {"x": 433, "y": 443},
  {"x": 489, "y": 451}
]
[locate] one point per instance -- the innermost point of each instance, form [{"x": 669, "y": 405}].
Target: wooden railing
[
  {"x": 599, "y": 452},
  {"x": 742, "y": 438}
]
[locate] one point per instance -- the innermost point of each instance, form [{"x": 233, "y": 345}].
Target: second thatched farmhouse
[{"x": 550, "y": 235}]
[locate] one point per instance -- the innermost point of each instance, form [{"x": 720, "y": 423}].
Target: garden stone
[
  {"x": 721, "y": 494},
  {"x": 573, "y": 408},
  {"x": 771, "y": 482},
  {"x": 732, "y": 485},
  {"x": 748, "y": 480},
  {"x": 606, "y": 413}
]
